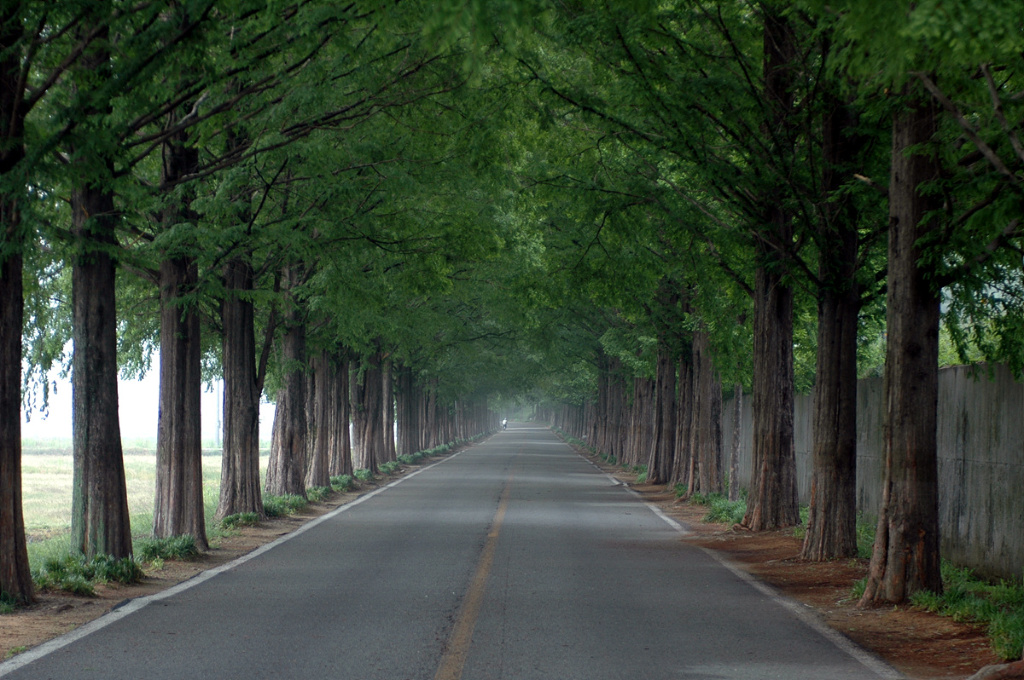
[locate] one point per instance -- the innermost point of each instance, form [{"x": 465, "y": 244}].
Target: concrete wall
[{"x": 981, "y": 463}]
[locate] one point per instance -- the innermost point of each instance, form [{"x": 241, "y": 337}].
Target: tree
[
  {"x": 99, "y": 506},
  {"x": 947, "y": 223},
  {"x": 15, "y": 578},
  {"x": 905, "y": 557},
  {"x": 287, "y": 465}
]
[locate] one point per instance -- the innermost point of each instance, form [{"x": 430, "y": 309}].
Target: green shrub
[
  {"x": 409, "y": 458},
  {"x": 343, "y": 482},
  {"x": 865, "y": 537},
  {"x": 75, "y": 574},
  {"x": 858, "y": 589},
  {"x": 968, "y": 599},
  {"x": 1006, "y": 631},
  {"x": 7, "y": 603},
  {"x": 363, "y": 475},
  {"x": 76, "y": 584},
  {"x": 172, "y": 548},
  {"x": 317, "y": 494},
  {"x": 721, "y": 509},
  {"x": 124, "y": 570},
  {"x": 279, "y": 506},
  {"x": 390, "y": 467},
  {"x": 241, "y": 519}
]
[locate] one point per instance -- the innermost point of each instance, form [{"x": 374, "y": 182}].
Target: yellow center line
[{"x": 457, "y": 650}]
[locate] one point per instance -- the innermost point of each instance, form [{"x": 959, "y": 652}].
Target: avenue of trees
[{"x": 378, "y": 214}]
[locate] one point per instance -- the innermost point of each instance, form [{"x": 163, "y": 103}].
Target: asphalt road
[{"x": 513, "y": 559}]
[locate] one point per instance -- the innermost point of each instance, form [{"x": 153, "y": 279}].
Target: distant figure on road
[{"x": 504, "y": 424}]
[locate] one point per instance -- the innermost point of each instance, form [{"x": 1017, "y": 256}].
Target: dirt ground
[{"x": 918, "y": 644}]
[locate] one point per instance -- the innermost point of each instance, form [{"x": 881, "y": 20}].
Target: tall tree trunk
[
  {"x": 99, "y": 506},
  {"x": 287, "y": 465},
  {"x": 368, "y": 423},
  {"x": 388, "y": 411},
  {"x": 772, "y": 498},
  {"x": 317, "y": 469},
  {"x": 734, "y": 454},
  {"x": 341, "y": 454},
  {"x": 905, "y": 558},
  {"x": 178, "y": 507},
  {"x": 15, "y": 577},
  {"x": 662, "y": 459},
  {"x": 407, "y": 403},
  {"x": 772, "y": 501},
  {"x": 684, "y": 424},
  {"x": 99, "y": 498},
  {"x": 706, "y": 430},
  {"x": 240, "y": 462},
  {"x": 832, "y": 519}
]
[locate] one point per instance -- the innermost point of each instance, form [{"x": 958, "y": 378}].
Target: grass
[
  {"x": 343, "y": 483},
  {"x": 7, "y": 603},
  {"x": 172, "y": 548},
  {"x": 241, "y": 519},
  {"x": 47, "y": 471},
  {"x": 720, "y": 508},
  {"x": 75, "y": 574},
  {"x": 999, "y": 607},
  {"x": 363, "y": 475},
  {"x": 279, "y": 506},
  {"x": 46, "y": 492},
  {"x": 318, "y": 494}
]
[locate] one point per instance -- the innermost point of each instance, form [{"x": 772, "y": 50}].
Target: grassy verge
[
  {"x": 47, "y": 471},
  {"x": 998, "y": 607}
]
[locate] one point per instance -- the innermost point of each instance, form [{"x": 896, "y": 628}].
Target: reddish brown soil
[{"x": 918, "y": 644}]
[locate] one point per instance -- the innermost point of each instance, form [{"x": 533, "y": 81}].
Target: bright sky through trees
[{"x": 138, "y": 410}]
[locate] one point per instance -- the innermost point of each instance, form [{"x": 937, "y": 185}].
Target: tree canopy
[{"x": 508, "y": 200}]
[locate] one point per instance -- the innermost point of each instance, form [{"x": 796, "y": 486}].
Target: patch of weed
[
  {"x": 969, "y": 599},
  {"x": 343, "y": 482},
  {"x": 73, "y": 573},
  {"x": 317, "y": 494},
  {"x": 390, "y": 467},
  {"x": 279, "y": 506},
  {"x": 721, "y": 509},
  {"x": 241, "y": 519},
  {"x": 859, "y": 586},
  {"x": 181, "y": 547},
  {"x": 363, "y": 475},
  {"x": 865, "y": 537},
  {"x": 8, "y": 603},
  {"x": 15, "y": 650}
]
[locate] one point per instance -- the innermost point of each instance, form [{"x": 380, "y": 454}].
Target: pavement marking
[
  {"x": 811, "y": 618},
  {"x": 807, "y": 615},
  {"x": 650, "y": 506},
  {"x": 131, "y": 606},
  {"x": 457, "y": 649}
]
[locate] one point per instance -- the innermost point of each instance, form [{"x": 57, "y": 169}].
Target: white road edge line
[
  {"x": 807, "y": 615},
  {"x": 132, "y": 606}
]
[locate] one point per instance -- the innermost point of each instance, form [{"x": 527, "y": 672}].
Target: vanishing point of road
[{"x": 515, "y": 558}]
